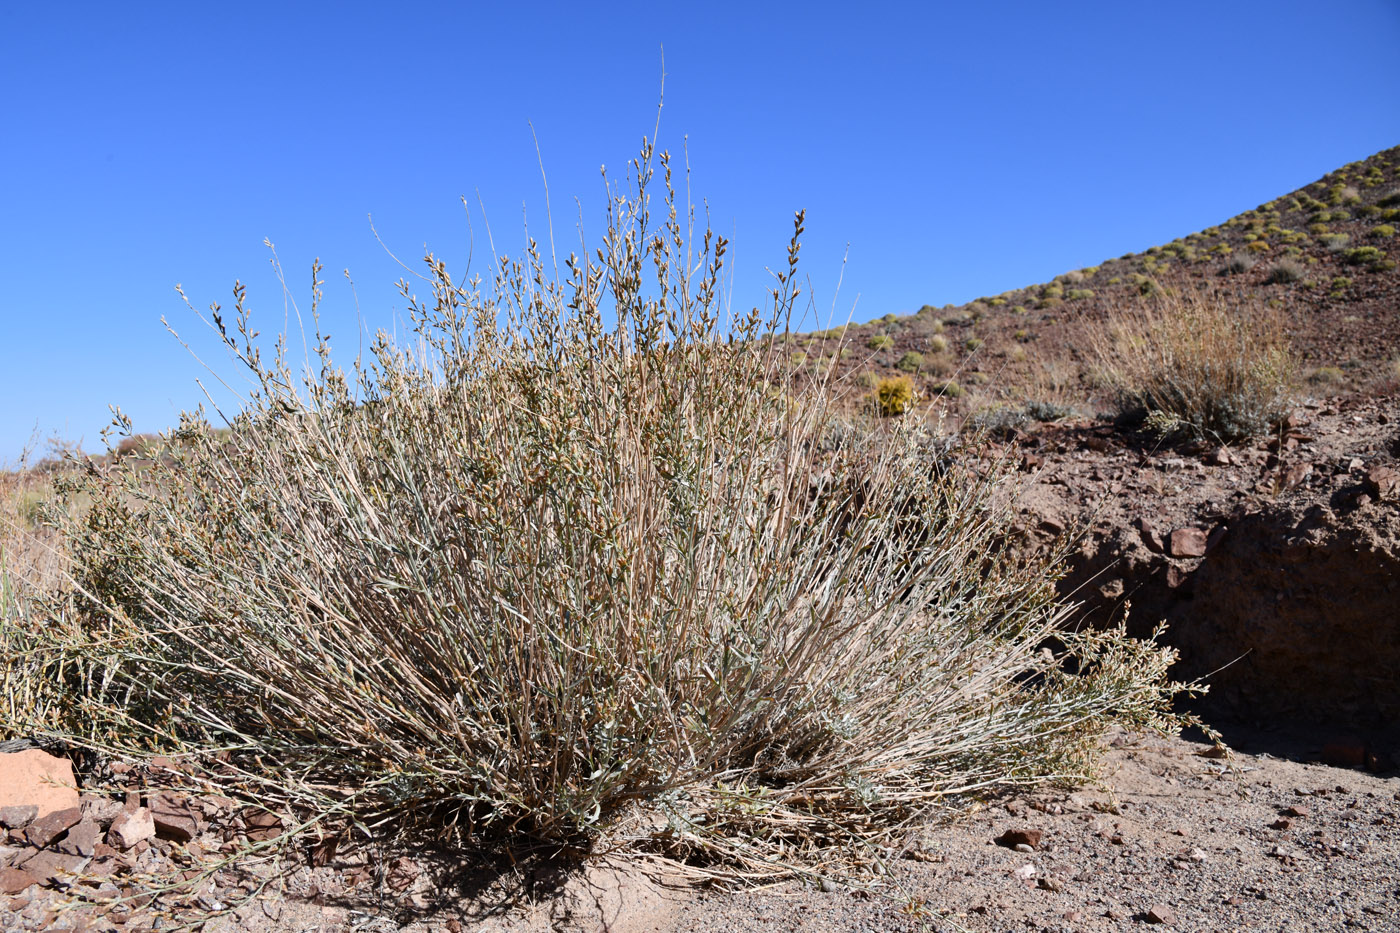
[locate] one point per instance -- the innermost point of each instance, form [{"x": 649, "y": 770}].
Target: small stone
[
  {"x": 14, "y": 880},
  {"x": 172, "y": 819},
  {"x": 1188, "y": 542},
  {"x": 102, "y": 810},
  {"x": 1296, "y": 475},
  {"x": 1382, "y": 482},
  {"x": 47, "y": 828},
  {"x": 1014, "y": 838},
  {"x": 33, "y": 776},
  {"x": 18, "y": 817},
  {"x": 1296, "y": 811},
  {"x": 1149, "y": 536},
  {"x": 1022, "y": 847},
  {"x": 1161, "y": 913},
  {"x": 81, "y": 839},
  {"x": 1049, "y": 883},
  {"x": 261, "y": 824},
  {"x": 1073, "y": 916},
  {"x": 1220, "y": 457},
  {"x": 828, "y": 886},
  {"x": 1281, "y": 824},
  {"x": 1197, "y": 855},
  {"x": 1024, "y": 872},
  {"x": 131, "y": 828}
]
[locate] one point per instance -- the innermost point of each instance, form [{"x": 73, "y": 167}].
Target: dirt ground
[{"x": 1268, "y": 840}]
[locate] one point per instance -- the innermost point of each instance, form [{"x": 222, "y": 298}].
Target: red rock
[
  {"x": 129, "y": 829},
  {"x": 1149, "y": 536},
  {"x": 1188, "y": 542},
  {"x": 81, "y": 839},
  {"x": 173, "y": 819},
  {"x": 1382, "y": 482},
  {"x": 46, "y": 829},
  {"x": 14, "y": 880},
  {"x": 1161, "y": 913},
  {"x": 262, "y": 825},
  {"x": 35, "y": 777},
  {"x": 50, "y": 868},
  {"x": 1019, "y": 837},
  {"x": 1295, "y": 475},
  {"x": 1344, "y": 753},
  {"x": 1280, "y": 824},
  {"x": 1297, "y": 812}
]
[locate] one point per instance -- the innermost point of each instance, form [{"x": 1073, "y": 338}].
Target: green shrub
[
  {"x": 880, "y": 342},
  {"x": 1335, "y": 242},
  {"x": 798, "y": 358},
  {"x": 949, "y": 389},
  {"x": 1363, "y": 256},
  {"x": 1198, "y": 364},
  {"x": 867, "y": 380},
  {"x": 894, "y": 396},
  {"x": 972, "y": 343},
  {"x": 938, "y": 343},
  {"x": 911, "y": 362},
  {"x": 528, "y": 576},
  {"x": 1078, "y": 294},
  {"x": 1383, "y": 231},
  {"x": 1018, "y": 309},
  {"x": 1258, "y": 246}
]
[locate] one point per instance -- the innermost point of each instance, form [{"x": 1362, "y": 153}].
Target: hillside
[{"x": 1324, "y": 256}]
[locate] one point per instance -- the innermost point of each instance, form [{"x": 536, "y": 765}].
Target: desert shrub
[
  {"x": 1363, "y": 256},
  {"x": 1326, "y": 375},
  {"x": 1258, "y": 246},
  {"x": 1021, "y": 336},
  {"x": 1052, "y": 291},
  {"x": 798, "y": 358},
  {"x": 578, "y": 563},
  {"x": 1335, "y": 242},
  {"x": 937, "y": 343},
  {"x": 1078, "y": 294},
  {"x": 880, "y": 342},
  {"x": 1383, "y": 231},
  {"x": 1198, "y": 364},
  {"x": 1318, "y": 228},
  {"x": 911, "y": 362},
  {"x": 1018, "y": 309},
  {"x": 894, "y": 396},
  {"x": 867, "y": 380},
  {"x": 1284, "y": 272},
  {"x": 972, "y": 343},
  {"x": 949, "y": 389},
  {"x": 890, "y": 318}
]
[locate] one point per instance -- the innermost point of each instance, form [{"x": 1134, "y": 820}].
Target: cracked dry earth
[{"x": 1171, "y": 838}]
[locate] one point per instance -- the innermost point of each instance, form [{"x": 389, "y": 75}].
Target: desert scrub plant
[
  {"x": 949, "y": 389},
  {"x": 880, "y": 342},
  {"x": 911, "y": 362},
  {"x": 584, "y": 564},
  {"x": 1335, "y": 242},
  {"x": 1383, "y": 231},
  {"x": 1285, "y": 272},
  {"x": 938, "y": 343},
  {"x": 1198, "y": 364},
  {"x": 894, "y": 396},
  {"x": 1363, "y": 256}
]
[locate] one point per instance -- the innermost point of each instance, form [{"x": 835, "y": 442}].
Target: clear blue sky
[{"x": 959, "y": 149}]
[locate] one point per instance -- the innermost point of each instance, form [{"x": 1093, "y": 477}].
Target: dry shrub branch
[{"x": 585, "y": 564}]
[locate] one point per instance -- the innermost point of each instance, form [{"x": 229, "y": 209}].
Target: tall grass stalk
[
  {"x": 584, "y": 563},
  {"x": 1203, "y": 364}
]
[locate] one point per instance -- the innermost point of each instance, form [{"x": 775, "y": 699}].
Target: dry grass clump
[
  {"x": 585, "y": 564},
  {"x": 1198, "y": 363}
]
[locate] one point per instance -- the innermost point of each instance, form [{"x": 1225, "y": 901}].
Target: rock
[
  {"x": 1296, "y": 811},
  {"x": 1150, "y": 538},
  {"x": 1024, "y": 872},
  {"x": 102, "y": 810},
  {"x": 1188, "y": 542},
  {"x": 1296, "y": 475},
  {"x": 173, "y": 819},
  {"x": 15, "y": 880},
  {"x": 1161, "y": 913},
  {"x": 50, "y": 868},
  {"x": 261, "y": 825},
  {"x": 35, "y": 777},
  {"x": 18, "y": 817},
  {"x": 1049, "y": 883},
  {"x": 46, "y": 829},
  {"x": 1220, "y": 457},
  {"x": 1281, "y": 824},
  {"x": 1344, "y": 753},
  {"x": 1019, "y": 837},
  {"x": 130, "y": 828},
  {"x": 1382, "y": 482},
  {"x": 81, "y": 839}
]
